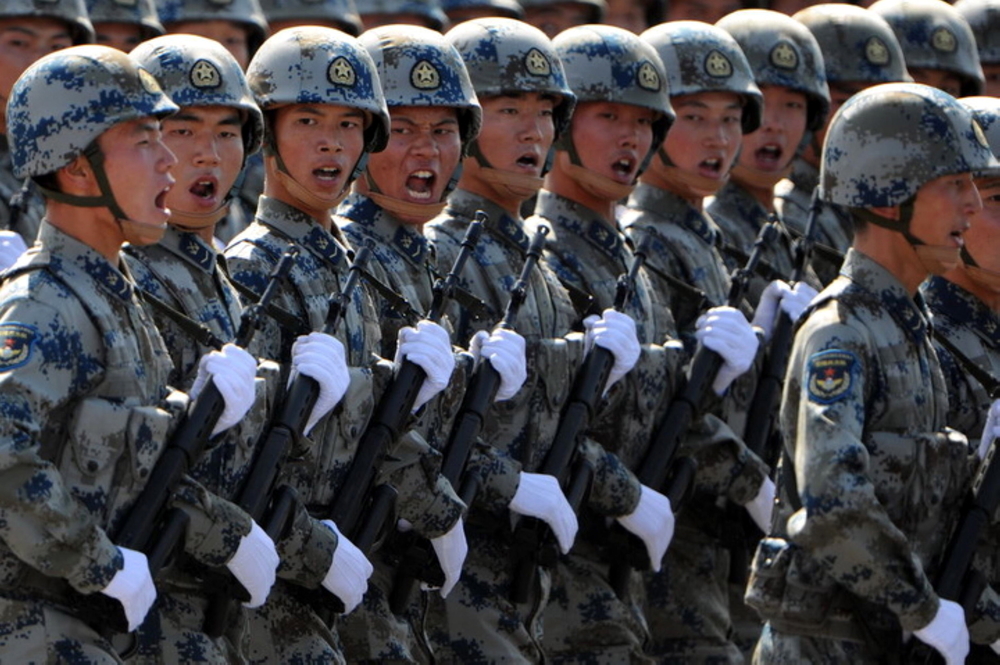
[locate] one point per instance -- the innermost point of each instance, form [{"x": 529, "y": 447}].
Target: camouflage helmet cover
[
  {"x": 430, "y": 10},
  {"x": 341, "y": 12},
  {"x": 506, "y": 56},
  {"x": 501, "y": 8},
  {"x": 858, "y": 45},
  {"x": 983, "y": 17},
  {"x": 73, "y": 12},
  {"x": 986, "y": 111},
  {"x": 889, "y": 140},
  {"x": 699, "y": 57},
  {"x": 245, "y": 12},
  {"x": 316, "y": 65},
  {"x": 133, "y": 12},
  {"x": 65, "y": 100},
  {"x": 934, "y": 35},
  {"x": 195, "y": 71},
  {"x": 782, "y": 52},
  {"x": 418, "y": 67}
]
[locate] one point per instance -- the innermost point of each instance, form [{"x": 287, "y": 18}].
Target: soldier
[
  {"x": 425, "y": 13},
  {"x": 521, "y": 85},
  {"x": 124, "y": 25},
  {"x": 324, "y": 112},
  {"x": 29, "y": 30},
  {"x": 938, "y": 43},
  {"x": 466, "y": 10},
  {"x": 850, "y": 556},
  {"x": 83, "y": 383},
  {"x": 340, "y": 14},
  {"x": 859, "y": 51},
  {"x": 984, "y": 19},
  {"x": 239, "y": 25},
  {"x": 554, "y": 16},
  {"x": 714, "y": 96}
]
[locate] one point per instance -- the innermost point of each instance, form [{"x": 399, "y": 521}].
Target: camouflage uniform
[
  {"x": 82, "y": 383},
  {"x": 863, "y": 413}
]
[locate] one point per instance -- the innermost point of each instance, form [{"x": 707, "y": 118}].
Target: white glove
[
  {"x": 991, "y": 430},
  {"x": 451, "y": 550},
  {"x": 232, "y": 370},
  {"x": 653, "y": 521},
  {"x": 616, "y": 333},
  {"x": 505, "y": 351},
  {"x": 947, "y": 633},
  {"x": 348, "y": 576},
  {"x": 793, "y": 301},
  {"x": 429, "y": 346},
  {"x": 11, "y": 248},
  {"x": 760, "y": 506},
  {"x": 133, "y": 587},
  {"x": 726, "y": 331},
  {"x": 255, "y": 565},
  {"x": 539, "y": 495},
  {"x": 996, "y": 647},
  {"x": 321, "y": 357}
]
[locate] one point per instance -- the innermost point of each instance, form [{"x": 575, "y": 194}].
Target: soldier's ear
[{"x": 77, "y": 177}]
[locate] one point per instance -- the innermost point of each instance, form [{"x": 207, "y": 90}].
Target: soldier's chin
[{"x": 143, "y": 233}]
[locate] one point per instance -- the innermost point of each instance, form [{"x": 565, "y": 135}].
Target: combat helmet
[
  {"x": 343, "y": 13},
  {"x": 60, "y": 106},
  {"x": 73, "y": 12},
  {"x": 244, "y": 12},
  {"x": 133, "y": 12},
  {"x": 986, "y": 111},
  {"x": 934, "y": 35},
  {"x": 983, "y": 16},
  {"x": 782, "y": 52},
  {"x": 699, "y": 57},
  {"x": 428, "y": 10},
  {"x": 316, "y": 65},
  {"x": 608, "y": 64}
]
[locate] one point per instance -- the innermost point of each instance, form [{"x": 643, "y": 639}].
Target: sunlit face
[
  {"x": 122, "y": 36},
  {"x": 24, "y": 40},
  {"x": 982, "y": 240},
  {"x": 627, "y": 14},
  {"x": 992, "y": 72},
  {"x": 705, "y": 138},
  {"x": 230, "y": 34},
  {"x": 554, "y": 18},
  {"x": 936, "y": 78},
  {"x": 773, "y": 146},
  {"x": 943, "y": 210}
]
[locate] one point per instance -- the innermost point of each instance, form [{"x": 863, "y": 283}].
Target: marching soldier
[{"x": 983, "y": 16}]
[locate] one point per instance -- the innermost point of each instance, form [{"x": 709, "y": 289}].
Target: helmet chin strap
[
  {"x": 311, "y": 200},
  {"x": 758, "y": 179},
  {"x": 508, "y": 184},
  {"x": 936, "y": 259},
  {"x": 135, "y": 231},
  {"x": 687, "y": 184},
  {"x": 988, "y": 279},
  {"x": 194, "y": 221}
]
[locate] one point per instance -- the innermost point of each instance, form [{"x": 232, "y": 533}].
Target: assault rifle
[
  {"x": 150, "y": 526},
  {"x": 531, "y": 540},
  {"x": 659, "y": 469},
  {"x": 418, "y": 560}
]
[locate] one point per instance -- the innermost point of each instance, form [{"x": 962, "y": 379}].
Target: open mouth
[
  {"x": 958, "y": 237},
  {"x": 528, "y": 161},
  {"x": 327, "y": 173},
  {"x": 768, "y": 157},
  {"x": 624, "y": 168},
  {"x": 711, "y": 167},
  {"x": 161, "y": 199},
  {"x": 204, "y": 189},
  {"x": 420, "y": 185}
]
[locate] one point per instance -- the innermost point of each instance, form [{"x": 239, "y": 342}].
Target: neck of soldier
[
  {"x": 558, "y": 181},
  {"x": 95, "y": 227},
  {"x": 471, "y": 182},
  {"x": 893, "y": 252},
  {"x": 272, "y": 189},
  {"x": 656, "y": 177},
  {"x": 961, "y": 277},
  {"x": 762, "y": 195}
]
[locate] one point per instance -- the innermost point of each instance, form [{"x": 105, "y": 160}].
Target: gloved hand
[
  {"x": 427, "y": 345},
  {"x": 451, "y": 550},
  {"x": 348, "y": 575},
  {"x": 947, "y": 633},
  {"x": 726, "y": 331},
  {"x": 255, "y": 565},
  {"x": 232, "y": 370},
  {"x": 996, "y": 647},
  {"x": 539, "y": 495},
  {"x": 11, "y": 248},
  {"x": 133, "y": 587},
  {"x": 991, "y": 430},
  {"x": 653, "y": 521},
  {"x": 793, "y": 301},
  {"x": 321, "y": 357},
  {"x": 505, "y": 351},
  {"x": 760, "y": 506},
  {"x": 616, "y": 333}
]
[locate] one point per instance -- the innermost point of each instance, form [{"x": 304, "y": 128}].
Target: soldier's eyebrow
[
  {"x": 33, "y": 33},
  {"x": 409, "y": 121},
  {"x": 192, "y": 116},
  {"x": 697, "y": 103}
]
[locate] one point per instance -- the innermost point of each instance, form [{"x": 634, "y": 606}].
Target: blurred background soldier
[
  {"x": 425, "y": 13},
  {"x": 554, "y": 16},
  {"x": 983, "y": 17},
  {"x": 859, "y": 51},
  {"x": 123, "y": 24},
  {"x": 937, "y": 42},
  {"x": 466, "y": 10},
  {"x": 339, "y": 14},
  {"x": 29, "y": 29}
]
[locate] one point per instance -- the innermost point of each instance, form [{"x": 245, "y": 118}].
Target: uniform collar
[
  {"x": 499, "y": 223},
  {"x": 909, "y": 312},
  {"x": 673, "y": 207},
  {"x": 65, "y": 249},
  {"x": 950, "y": 301},
  {"x": 580, "y": 220},
  {"x": 190, "y": 248},
  {"x": 386, "y": 228},
  {"x": 301, "y": 229}
]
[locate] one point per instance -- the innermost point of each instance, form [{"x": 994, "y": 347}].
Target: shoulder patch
[
  {"x": 831, "y": 374},
  {"x": 16, "y": 342}
]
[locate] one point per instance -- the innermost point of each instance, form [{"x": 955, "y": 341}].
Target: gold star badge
[
  {"x": 980, "y": 136},
  {"x": 717, "y": 65},
  {"x": 648, "y": 77},
  {"x": 425, "y": 76},
  {"x": 784, "y": 56},
  {"x": 942, "y": 39},
  {"x": 536, "y": 63},
  {"x": 149, "y": 83},
  {"x": 341, "y": 72},
  {"x": 876, "y": 52},
  {"x": 205, "y": 75}
]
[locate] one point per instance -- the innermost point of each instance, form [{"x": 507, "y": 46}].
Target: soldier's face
[
  {"x": 320, "y": 145},
  {"x": 708, "y": 11},
  {"x": 230, "y": 34},
  {"x": 773, "y": 146},
  {"x": 983, "y": 237},
  {"x": 705, "y": 138},
  {"x": 937, "y": 78},
  {"x": 138, "y": 166},
  {"x": 22, "y": 41},
  {"x": 554, "y": 18},
  {"x": 612, "y": 139},
  {"x": 208, "y": 143},
  {"x": 517, "y": 132},
  {"x": 943, "y": 210},
  {"x": 122, "y": 36},
  {"x": 992, "y": 73},
  {"x": 628, "y": 14},
  {"x": 424, "y": 149}
]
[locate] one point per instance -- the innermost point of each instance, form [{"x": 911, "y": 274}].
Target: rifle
[
  {"x": 531, "y": 542},
  {"x": 759, "y": 433},
  {"x": 659, "y": 469},
  {"x": 418, "y": 560},
  {"x": 150, "y": 527}
]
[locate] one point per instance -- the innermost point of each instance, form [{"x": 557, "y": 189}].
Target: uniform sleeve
[
  {"x": 842, "y": 524},
  {"x": 48, "y": 363}
]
